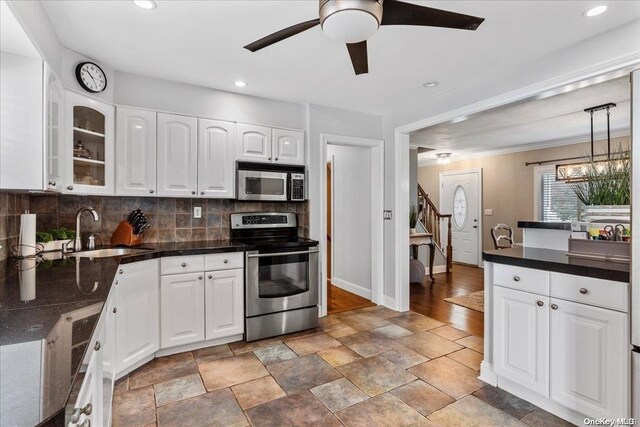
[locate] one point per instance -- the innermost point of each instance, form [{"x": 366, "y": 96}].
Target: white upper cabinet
[
  {"x": 21, "y": 108},
  {"x": 521, "y": 338},
  {"x": 253, "y": 143},
  {"x": 288, "y": 147},
  {"x": 589, "y": 364},
  {"x": 135, "y": 152},
  {"x": 216, "y": 158},
  {"x": 54, "y": 131},
  {"x": 89, "y": 145},
  {"x": 177, "y": 155}
]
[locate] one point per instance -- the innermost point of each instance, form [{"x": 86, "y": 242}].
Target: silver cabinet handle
[
  {"x": 210, "y": 276},
  {"x": 516, "y": 278},
  {"x": 52, "y": 183},
  {"x": 75, "y": 415},
  {"x": 151, "y": 190},
  {"x": 193, "y": 192},
  {"x": 121, "y": 271},
  {"x": 97, "y": 346},
  {"x": 475, "y": 226},
  {"x": 554, "y": 306},
  {"x": 184, "y": 264},
  {"x": 584, "y": 291},
  {"x": 117, "y": 282},
  {"x": 69, "y": 187},
  {"x": 115, "y": 309},
  {"x": 269, "y": 159},
  {"x": 276, "y": 159},
  {"x": 540, "y": 303},
  {"x": 199, "y": 277},
  {"x": 226, "y": 261},
  {"x": 202, "y": 193}
]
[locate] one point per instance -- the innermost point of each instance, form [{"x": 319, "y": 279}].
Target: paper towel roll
[
  {"x": 27, "y": 240},
  {"x": 27, "y": 279}
]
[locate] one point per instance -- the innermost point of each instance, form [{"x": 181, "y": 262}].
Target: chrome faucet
[{"x": 77, "y": 243}]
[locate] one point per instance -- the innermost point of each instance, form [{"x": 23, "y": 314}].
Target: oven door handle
[{"x": 312, "y": 251}]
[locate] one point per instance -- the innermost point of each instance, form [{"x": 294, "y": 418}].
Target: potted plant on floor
[
  {"x": 413, "y": 219},
  {"x": 606, "y": 189}
]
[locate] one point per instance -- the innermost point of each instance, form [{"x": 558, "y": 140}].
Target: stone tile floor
[{"x": 368, "y": 367}]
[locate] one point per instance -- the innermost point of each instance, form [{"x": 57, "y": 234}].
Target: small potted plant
[
  {"x": 413, "y": 219},
  {"x": 52, "y": 240}
]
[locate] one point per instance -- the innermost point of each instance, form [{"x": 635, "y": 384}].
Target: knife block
[{"x": 123, "y": 235}]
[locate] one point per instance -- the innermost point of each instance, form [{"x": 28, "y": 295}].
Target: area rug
[{"x": 474, "y": 301}]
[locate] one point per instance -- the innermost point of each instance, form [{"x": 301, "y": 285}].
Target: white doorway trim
[
  {"x": 400, "y": 229},
  {"x": 479, "y": 190},
  {"x": 377, "y": 203}
]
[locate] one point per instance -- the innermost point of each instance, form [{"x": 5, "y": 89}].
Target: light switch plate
[
  {"x": 197, "y": 212},
  {"x": 488, "y": 212},
  {"x": 387, "y": 214}
]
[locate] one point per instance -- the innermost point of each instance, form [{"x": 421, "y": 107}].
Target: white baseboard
[
  {"x": 389, "y": 302},
  {"x": 198, "y": 345},
  {"x": 351, "y": 287},
  {"x": 437, "y": 269},
  {"x": 487, "y": 374}
]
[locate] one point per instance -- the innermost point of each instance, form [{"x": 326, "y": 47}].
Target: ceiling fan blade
[
  {"x": 358, "y": 54},
  {"x": 281, "y": 35},
  {"x": 396, "y": 12}
]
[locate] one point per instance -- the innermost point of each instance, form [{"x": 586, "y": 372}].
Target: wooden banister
[{"x": 431, "y": 219}]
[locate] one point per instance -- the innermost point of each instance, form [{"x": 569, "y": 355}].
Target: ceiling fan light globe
[{"x": 350, "y": 26}]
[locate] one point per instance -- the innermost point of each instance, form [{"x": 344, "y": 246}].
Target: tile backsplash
[
  {"x": 171, "y": 218},
  {"x": 11, "y": 206}
]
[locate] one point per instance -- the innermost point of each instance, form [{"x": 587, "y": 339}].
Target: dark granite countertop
[
  {"x": 34, "y": 297},
  {"x": 545, "y": 225},
  {"x": 558, "y": 261}
]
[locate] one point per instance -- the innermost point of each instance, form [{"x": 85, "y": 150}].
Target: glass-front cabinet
[
  {"x": 54, "y": 131},
  {"x": 89, "y": 146}
]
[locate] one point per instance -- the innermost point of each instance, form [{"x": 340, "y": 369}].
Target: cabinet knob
[
  {"x": 121, "y": 271},
  {"x": 75, "y": 415},
  {"x": 97, "y": 346},
  {"x": 276, "y": 159},
  {"x": 540, "y": 303},
  {"x": 199, "y": 277},
  {"x": 115, "y": 309},
  {"x": 86, "y": 423},
  {"x": 151, "y": 190},
  {"x": 584, "y": 291},
  {"x": 52, "y": 183},
  {"x": 202, "y": 193},
  {"x": 193, "y": 192},
  {"x": 554, "y": 306},
  {"x": 117, "y": 282},
  {"x": 210, "y": 276},
  {"x": 226, "y": 261},
  {"x": 516, "y": 278},
  {"x": 69, "y": 187},
  {"x": 269, "y": 159},
  {"x": 184, "y": 264}
]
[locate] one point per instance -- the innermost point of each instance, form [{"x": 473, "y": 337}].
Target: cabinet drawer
[
  {"x": 586, "y": 290},
  {"x": 224, "y": 261},
  {"x": 521, "y": 278},
  {"x": 182, "y": 264}
]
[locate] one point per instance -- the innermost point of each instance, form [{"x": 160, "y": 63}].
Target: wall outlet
[
  {"x": 197, "y": 212},
  {"x": 488, "y": 212}
]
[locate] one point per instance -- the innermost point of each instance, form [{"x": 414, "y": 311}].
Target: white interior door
[{"x": 460, "y": 197}]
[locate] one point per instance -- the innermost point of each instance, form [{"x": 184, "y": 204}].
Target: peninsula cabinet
[
  {"x": 89, "y": 145},
  {"x": 137, "y": 313},
  {"x": 266, "y": 145},
  {"x": 216, "y": 165},
  {"x": 177, "y": 158},
  {"x": 135, "y": 152},
  {"x": 567, "y": 342}
]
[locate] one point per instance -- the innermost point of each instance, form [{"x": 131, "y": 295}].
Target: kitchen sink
[{"x": 105, "y": 253}]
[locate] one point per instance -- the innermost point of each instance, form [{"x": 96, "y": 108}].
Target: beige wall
[{"x": 507, "y": 185}]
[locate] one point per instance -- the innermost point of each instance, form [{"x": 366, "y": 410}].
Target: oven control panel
[
  {"x": 264, "y": 219},
  {"x": 249, "y": 220}
]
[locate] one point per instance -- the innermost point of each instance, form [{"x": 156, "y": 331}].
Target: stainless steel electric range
[{"x": 281, "y": 274}]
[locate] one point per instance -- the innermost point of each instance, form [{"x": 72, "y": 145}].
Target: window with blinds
[{"x": 558, "y": 202}]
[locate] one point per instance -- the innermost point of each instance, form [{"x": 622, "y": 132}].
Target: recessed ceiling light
[
  {"x": 240, "y": 83},
  {"x": 145, "y": 4},
  {"x": 595, "y": 11},
  {"x": 430, "y": 84}
]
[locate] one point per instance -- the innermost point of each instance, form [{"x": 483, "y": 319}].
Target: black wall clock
[{"x": 91, "y": 77}]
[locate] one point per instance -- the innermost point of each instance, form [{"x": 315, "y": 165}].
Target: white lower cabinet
[
  {"x": 588, "y": 372},
  {"x": 89, "y": 395},
  {"x": 137, "y": 312},
  {"x": 181, "y": 309},
  {"x": 521, "y": 336},
  {"x": 224, "y": 303}
]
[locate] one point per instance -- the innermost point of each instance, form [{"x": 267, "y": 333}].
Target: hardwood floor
[
  {"x": 428, "y": 298},
  {"x": 339, "y": 300}
]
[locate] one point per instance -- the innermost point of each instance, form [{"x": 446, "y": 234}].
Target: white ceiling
[
  {"x": 13, "y": 39},
  {"x": 553, "y": 120},
  {"x": 200, "y": 42}
]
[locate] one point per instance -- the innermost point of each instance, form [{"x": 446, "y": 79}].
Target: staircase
[{"x": 431, "y": 219}]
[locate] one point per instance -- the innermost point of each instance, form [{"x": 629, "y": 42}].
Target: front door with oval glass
[{"x": 460, "y": 197}]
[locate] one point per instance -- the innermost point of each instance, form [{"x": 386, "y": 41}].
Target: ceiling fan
[{"x": 354, "y": 21}]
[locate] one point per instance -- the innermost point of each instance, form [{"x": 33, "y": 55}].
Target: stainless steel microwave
[{"x": 270, "y": 183}]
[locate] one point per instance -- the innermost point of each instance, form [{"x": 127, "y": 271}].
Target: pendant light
[{"x": 578, "y": 171}]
